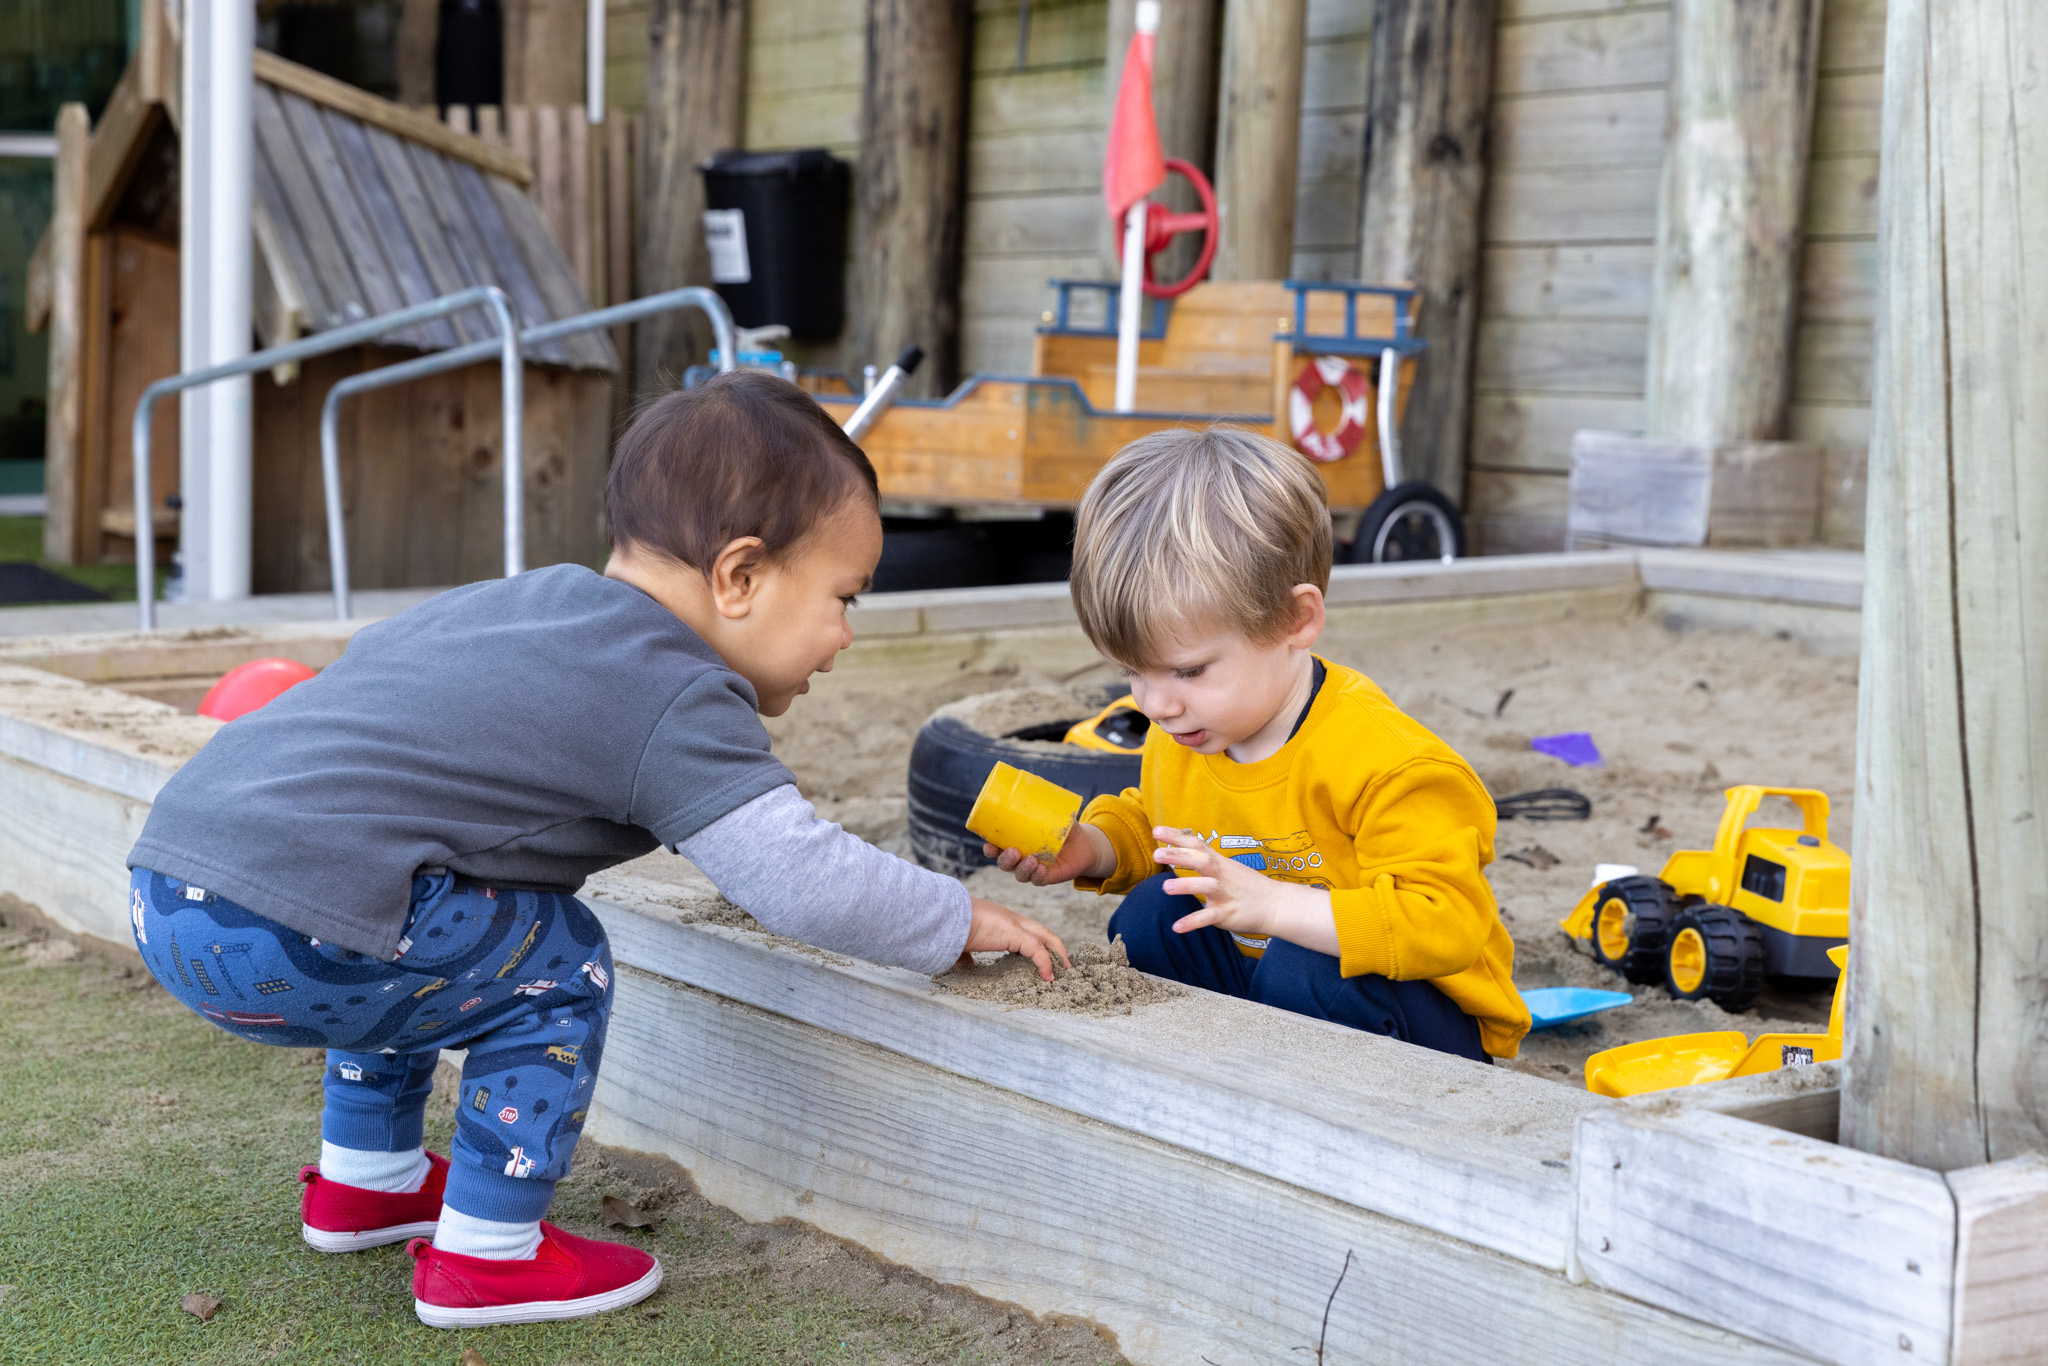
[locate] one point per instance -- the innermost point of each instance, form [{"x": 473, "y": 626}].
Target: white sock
[
  {"x": 392, "y": 1173},
  {"x": 474, "y": 1237}
]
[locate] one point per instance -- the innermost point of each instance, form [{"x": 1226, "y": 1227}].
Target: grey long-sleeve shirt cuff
[{"x": 802, "y": 876}]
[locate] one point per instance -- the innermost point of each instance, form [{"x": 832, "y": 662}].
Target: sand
[
  {"x": 1678, "y": 716},
  {"x": 1101, "y": 981}
]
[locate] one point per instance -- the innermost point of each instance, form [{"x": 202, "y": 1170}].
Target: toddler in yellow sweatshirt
[{"x": 1323, "y": 851}]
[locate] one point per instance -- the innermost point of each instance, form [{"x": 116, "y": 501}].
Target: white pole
[
  {"x": 214, "y": 256},
  {"x": 593, "y": 60},
  {"x": 1130, "y": 307}
]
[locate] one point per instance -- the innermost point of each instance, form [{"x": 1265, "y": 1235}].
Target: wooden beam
[
  {"x": 1258, "y": 136},
  {"x": 1183, "y": 103},
  {"x": 696, "y": 105},
  {"x": 119, "y": 140},
  {"x": 364, "y": 107},
  {"x": 2001, "y": 1313},
  {"x": 419, "y": 29},
  {"x": 1182, "y": 1257},
  {"x": 66, "y": 274},
  {"x": 1725, "y": 293},
  {"x": 1948, "y": 1002},
  {"x": 908, "y": 186},
  {"x": 543, "y": 51},
  {"x": 1425, "y": 179},
  {"x": 1770, "y": 1234}
]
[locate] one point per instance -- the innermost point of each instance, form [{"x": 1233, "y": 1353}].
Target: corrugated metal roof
[{"x": 355, "y": 220}]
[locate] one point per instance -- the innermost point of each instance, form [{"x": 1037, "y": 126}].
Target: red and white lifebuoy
[{"x": 1327, "y": 372}]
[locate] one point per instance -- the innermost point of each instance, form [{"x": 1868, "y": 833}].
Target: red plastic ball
[{"x": 246, "y": 687}]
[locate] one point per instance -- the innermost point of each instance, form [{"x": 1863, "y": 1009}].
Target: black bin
[{"x": 789, "y": 211}]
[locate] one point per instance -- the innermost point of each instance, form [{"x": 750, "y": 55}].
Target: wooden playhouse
[{"x": 362, "y": 206}]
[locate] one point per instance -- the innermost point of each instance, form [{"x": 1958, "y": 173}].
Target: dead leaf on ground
[
  {"x": 201, "y": 1307},
  {"x": 624, "y": 1214},
  {"x": 654, "y": 1312},
  {"x": 472, "y": 1357},
  {"x": 1535, "y": 856}
]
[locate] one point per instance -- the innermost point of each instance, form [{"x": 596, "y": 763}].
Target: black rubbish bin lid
[{"x": 803, "y": 161}]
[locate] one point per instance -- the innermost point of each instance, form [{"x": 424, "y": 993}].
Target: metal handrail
[
  {"x": 354, "y": 333},
  {"x": 439, "y": 362}
]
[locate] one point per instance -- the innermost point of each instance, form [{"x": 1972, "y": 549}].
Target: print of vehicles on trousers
[
  {"x": 1760, "y": 902},
  {"x": 519, "y": 1164},
  {"x": 540, "y": 986},
  {"x": 564, "y": 1053},
  {"x": 350, "y": 1071}
]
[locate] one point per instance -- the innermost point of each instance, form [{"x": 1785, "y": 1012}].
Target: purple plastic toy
[{"x": 1574, "y": 747}]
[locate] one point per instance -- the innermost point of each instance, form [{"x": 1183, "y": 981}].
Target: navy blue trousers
[
  {"x": 521, "y": 979},
  {"x": 1288, "y": 977}
]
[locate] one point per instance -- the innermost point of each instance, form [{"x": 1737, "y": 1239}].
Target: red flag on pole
[{"x": 1133, "y": 165}]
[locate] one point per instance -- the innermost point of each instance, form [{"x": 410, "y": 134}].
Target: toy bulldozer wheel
[
  {"x": 1631, "y": 920},
  {"x": 1716, "y": 953}
]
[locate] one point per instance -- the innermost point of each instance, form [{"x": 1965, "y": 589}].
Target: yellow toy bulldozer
[{"x": 1761, "y": 901}]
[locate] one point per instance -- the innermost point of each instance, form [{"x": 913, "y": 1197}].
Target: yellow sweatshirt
[{"x": 1364, "y": 803}]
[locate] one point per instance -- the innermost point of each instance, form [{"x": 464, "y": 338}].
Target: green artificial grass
[
  {"x": 21, "y": 541},
  {"x": 147, "y": 1155}
]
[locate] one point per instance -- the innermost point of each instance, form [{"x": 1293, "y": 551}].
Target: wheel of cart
[{"x": 1412, "y": 519}]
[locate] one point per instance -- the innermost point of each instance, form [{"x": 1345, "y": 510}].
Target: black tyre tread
[
  {"x": 1735, "y": 954},
  {"x": 1653, "y": 906},
  {"x": 949, "y": 762},
  {"x": 1359, "y": 549}
]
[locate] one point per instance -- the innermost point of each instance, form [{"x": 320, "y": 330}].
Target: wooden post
[
  {"x": 1726, "y": 288},
  {"x": 1425, "y": 174},
  {"x": 419, "y": 25},
  {"x": 696, "y": 90},
  {"x": 67, "y": 318},
  {"x": 1258, "y": 136},
  {"x": 543, "y": 51},
  {"x": 1183, "y": 103},
  {"x": 908, "y": 186},
  {"x": 1947, "y": 1062}
]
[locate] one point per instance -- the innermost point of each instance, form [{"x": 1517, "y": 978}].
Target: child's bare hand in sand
[
  {"x": 1087, "y": 853},
  {"x": 1241, "y": 899},
  {"x": 998, "y": 929}
]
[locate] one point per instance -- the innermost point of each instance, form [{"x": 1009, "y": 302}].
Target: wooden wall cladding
[
  {"x": 422, "y": 475},
  {"x": 1577, "y": 149}
]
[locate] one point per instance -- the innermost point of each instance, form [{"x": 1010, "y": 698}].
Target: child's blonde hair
[{"x": 1195, "y": 530}]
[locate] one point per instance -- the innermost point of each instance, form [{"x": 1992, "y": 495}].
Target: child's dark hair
[{"x": 743, "y": 454}]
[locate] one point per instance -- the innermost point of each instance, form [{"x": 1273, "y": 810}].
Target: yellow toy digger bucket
[{"x": 1689, "y": 1059}]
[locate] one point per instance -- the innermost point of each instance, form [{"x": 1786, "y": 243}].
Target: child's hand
[
  {"x": 1243, "y": 900},
  {"x": 1087, "y": 853},
  {"x": 998, "y": 929}
]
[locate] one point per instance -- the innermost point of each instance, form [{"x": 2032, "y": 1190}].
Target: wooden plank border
[
  {"x": 1818, "y": 1248},
  {"x": 1182, "y": 1257}
]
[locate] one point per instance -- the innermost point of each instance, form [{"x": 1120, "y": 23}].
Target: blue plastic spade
[{"x": 1561, "y": 1005}]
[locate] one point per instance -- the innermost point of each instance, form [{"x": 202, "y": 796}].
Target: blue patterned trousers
[{"x": 520, "y": 979}]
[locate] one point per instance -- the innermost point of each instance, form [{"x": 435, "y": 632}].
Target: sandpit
[{"x": 1678, "y": 716}]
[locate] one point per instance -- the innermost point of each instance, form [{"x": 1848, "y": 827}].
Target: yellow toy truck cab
[
  {"x": 1716, "y": 922},
  {"x": 1689, "y": 1059}
]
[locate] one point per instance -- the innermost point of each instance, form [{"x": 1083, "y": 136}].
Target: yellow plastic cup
[{"x": 1019, "y": 810}]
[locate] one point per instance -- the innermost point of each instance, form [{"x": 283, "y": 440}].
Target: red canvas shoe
[
  {"x": 338, "y": 1218},
  {"x": 569, "y": 1278}
]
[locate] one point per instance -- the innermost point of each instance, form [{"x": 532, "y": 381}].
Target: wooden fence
[{"x": 585, "y": 180}]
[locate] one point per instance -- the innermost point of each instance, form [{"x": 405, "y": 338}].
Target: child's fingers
[
  {"x": 1196, "y": 920},
  {"x": 1191, "y": 886},
  {"x": 1179, "y": 839},
  {"x": 1006, "y": 859}
]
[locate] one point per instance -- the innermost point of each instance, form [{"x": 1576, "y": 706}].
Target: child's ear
[
  {"x": 1309, "y": 616},
  {"x": 735, "y": 576}
]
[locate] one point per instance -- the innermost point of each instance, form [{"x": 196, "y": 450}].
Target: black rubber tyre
[
  {"x": 935, "y": 555},
  {"x": 1411, "y": 521},
  {"x": 950, "y": 761},
  {"x": 1732, "y": 948},
  {"x": 1644, "y": 908}
]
